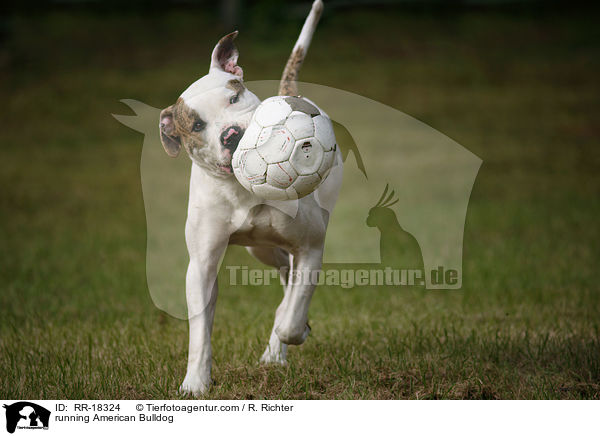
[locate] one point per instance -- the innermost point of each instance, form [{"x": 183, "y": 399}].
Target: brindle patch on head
[
  {"x": 301, "y": 105},
  {"x": 236, "y": 86},
  {"x": 185, "y": 117}
]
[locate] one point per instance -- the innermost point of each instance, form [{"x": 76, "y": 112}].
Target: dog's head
[{"x": 210, "y": 117}]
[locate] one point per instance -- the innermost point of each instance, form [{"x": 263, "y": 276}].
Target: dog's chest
[{"x": 265, "y": 225}]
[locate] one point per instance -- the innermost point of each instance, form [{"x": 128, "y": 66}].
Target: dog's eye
[
  {"x": 198, "y": 126},
  {"x": 234, "y": 99}
]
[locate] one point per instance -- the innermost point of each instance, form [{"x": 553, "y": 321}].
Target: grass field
[{"x": 519, "y": 90}]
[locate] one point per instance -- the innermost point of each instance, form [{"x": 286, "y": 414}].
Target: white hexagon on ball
[
  {"x": 306, "y": 184},
  {"x": 324, "y": 132},
  {"x": 251, "y": 165},
  {"x": 250, "y": 136},
  {"x": 270, "y": 192},
  {"x": 326, "y": 164},
  {"x": 307, "y": 156},
  {"x": 300, "y": 125},
  {"x": 278, "y": 147},
  {"x": 281, "y": 175},
  {"x": 272, "y": 111}
]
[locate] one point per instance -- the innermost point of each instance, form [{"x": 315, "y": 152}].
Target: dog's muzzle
[{"x": 230, "y": 137}]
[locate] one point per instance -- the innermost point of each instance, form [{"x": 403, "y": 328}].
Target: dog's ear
[
  {"x": 225, "y": 56},
  {"x": 168, "y": 136}
]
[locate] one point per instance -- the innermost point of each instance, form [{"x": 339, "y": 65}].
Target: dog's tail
[{"x": 288, "y": 85}]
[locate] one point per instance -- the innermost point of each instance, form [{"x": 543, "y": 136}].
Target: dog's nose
[{"x": 230, "y": 137}]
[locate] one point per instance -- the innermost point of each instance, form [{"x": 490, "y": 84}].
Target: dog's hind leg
[
  {"x": 291, "y": 323},
  {"x": 276, "y": 350}
]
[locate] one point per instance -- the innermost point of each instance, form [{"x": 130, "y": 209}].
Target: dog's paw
[
  {"x": 275, "y": 358},
  {"x": 193, "y": 385},
  {"x": 292, "y": 335}
]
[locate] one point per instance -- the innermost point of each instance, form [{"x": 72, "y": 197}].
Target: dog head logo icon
[{"x": 26, "y": 415}]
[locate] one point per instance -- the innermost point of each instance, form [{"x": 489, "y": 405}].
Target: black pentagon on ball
[{"x": 301, "y": 105}]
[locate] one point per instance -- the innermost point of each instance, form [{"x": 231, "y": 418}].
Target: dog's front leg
[
  {"x": 197, "y": 379},
  {"x": 205, "y": 247}
]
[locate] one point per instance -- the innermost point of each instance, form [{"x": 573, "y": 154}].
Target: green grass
[{"x": 76, "y": 319}]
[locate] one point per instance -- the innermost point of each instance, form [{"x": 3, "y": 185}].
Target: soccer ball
[{"x": 287, "y": 150}]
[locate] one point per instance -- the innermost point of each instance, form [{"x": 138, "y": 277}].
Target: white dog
[{"x": 208, "y": 120}]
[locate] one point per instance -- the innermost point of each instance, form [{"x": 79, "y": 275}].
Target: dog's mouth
[
  {"x": 226, "y": 168},
  {"x": 225, "y": 164}
]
